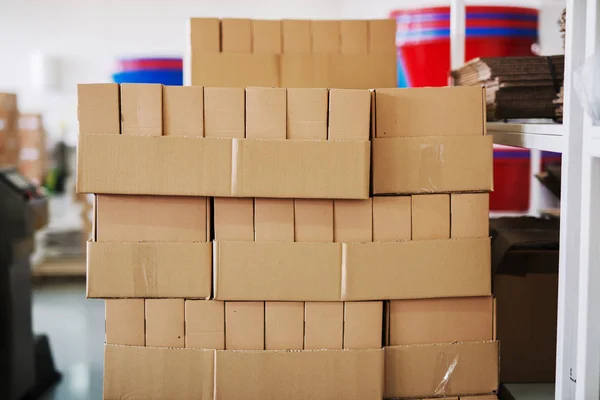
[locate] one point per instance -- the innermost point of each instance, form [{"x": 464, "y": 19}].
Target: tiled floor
[{"x": 75, "y": 327}]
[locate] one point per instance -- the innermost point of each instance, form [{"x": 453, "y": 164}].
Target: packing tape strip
[
  {"x": 234, "y": 165},
  {"x": 344, "y": 273},
  {"x": 145, "y": 277},
  {"x": 446, "y": 364}
]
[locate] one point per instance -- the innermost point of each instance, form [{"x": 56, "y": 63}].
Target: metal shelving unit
[{"x": 578, "y": 139}]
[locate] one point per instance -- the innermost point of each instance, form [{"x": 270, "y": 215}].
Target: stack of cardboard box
[
  {"x": 33, "y": 160},
  {"x": 9, "y": 136},
  {"x": 271, "y": 243}
]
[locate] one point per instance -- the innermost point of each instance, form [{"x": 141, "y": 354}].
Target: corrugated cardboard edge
[{"x": 108, "y": 291}]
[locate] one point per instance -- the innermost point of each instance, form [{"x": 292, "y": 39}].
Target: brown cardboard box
[
  {"x": 183, "y": 111},
  {"x": 370, "y": 271},
  {"x": 391, "y": 218},
  {"x": 283, "y": 271},
  {"x": 245, "y": 325},
  {"x": 236, "y": 35},
  {"x": 353, "y": 220},
  {"x": 149, "y": 270},
  {"x": 234, "y": 219},
  {"x": 165, "y": 323},
  {"x": 307, "y": 113},
  {"x": 304, "y": 70},
  {"x": 313, "y": 220},
  {"x": 265, "y": 113},
  {"x": 205, "y": 324},
  {"x": 141, "y": 109},
  {"x": 266, "y": 36},
  {"x": 363, "y": 321},
  {"x": 125, "y": 322},
  {"x": 151, "y": 218},
  {"x": 349, "y": 114},
  {"x": 274, "y": 220},
  {"x": 324, "y": 325},
  {"x": 98, "y": 108},
  {"x": 382, "y": 34},
  {"x": 456, "y": 164},
  {"x": 224, "y": 112},
  {"x": 154, "y": 373},
  {"x": 360, "y": 71},
  {"x": 33, "y": 160},
  {"x": 284, "y": 325},
  {"x": 325, "y": 36},
  {"x": 463, "y": 319},
  {"x": 354, "y": 37},
  {"x": 448, "y": 111},
  {"x": 223, "y": 69},
  {"x": 441, "y": 369},
  {"x": 146, "y": 165},
  {"x": 431, "y": 216},
  {"x": 470, "y": 214},
  {"x": 315, "y": 375},
  {"x": 205, "y": 35},
  {"x": 296, "y": 36}
]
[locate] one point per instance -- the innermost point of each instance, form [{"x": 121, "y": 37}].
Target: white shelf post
[{"x": 457, "y": 33}]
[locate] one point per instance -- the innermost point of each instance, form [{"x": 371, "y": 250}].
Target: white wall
[{"x": 88, "y": 36}]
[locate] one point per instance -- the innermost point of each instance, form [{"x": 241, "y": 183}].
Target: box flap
[
  {"x": 283, "y": 271},
  {"x": 441, "y": 369},
  {"x": 416, "y": 269},
  {"x": 148, "y": 270},
  {"x": 433, "y": 164},
  {"x": 158, "y": 373},
  {"x": 315, "y": 375}
]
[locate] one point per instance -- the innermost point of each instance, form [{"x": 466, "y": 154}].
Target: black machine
[{"x": 23, "y": 210}]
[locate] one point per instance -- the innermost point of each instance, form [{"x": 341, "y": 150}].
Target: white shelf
[
  {"x": 547, "y": 137},
  {"x": 529, "y": 391}
]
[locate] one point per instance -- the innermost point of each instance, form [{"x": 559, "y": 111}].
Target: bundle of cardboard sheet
[
  {"x": 9, "y": 132},
  {"x": 273, "y": 243},
  {"x": 516, "y": 87},
  {"x": 559, "y": 100}
]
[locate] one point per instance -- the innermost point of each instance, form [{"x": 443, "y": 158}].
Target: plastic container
[
  {"x": 423, "y": 39},
  {"x": 512, "y": 177},
  {"x": 164, "y": 70}
]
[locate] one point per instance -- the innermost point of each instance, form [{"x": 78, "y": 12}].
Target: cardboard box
[
  {"x": 205, "y": 324},
  {"x": 98, "y": 108},
  {"x": 422, "y": 321},
  {"x": 370, "y": 271},
  {"x": 354, "y": 36},
  {"x": 325, "y": 36},
  {"x": 141, "y": 109},
  {"x": 146, "y": 165},
  {"x": 149, "y": 270},
  {"x": 245, "y": 325},
  {"x": 266, "y": 36},
  {"x": 441, "y": 369},
  {"x": 353, "y": 220},
  {"x": 324, "y": 325},
  {"x": 234, "y": 219},
  {"x": 236, "y": 35},
  {"x": 382, "y": 34},
  {"x": 183, "y": 111},
  {"x": 470, "y": 215},
  {"x": 307, "y": 113},
  {"x": 296, "y": 36},
  {"x": 274, "y": 220},
  {"x": 525, "y": 260},
  {"x": 392, "y": 218},
  {"x": 447, "y": 111},
  {"x": 165, "y": 324},
  {"x": 431, "y": 216},
  {"x": 224, "y": 112},
  {"x": 349, "y": 114},
  {"x": 151, "y": 218},
  {"x": 223, "y": 70},
  {"x": 313, "y": 220},
  {"x": 125, "y": 323},
  {"x": 205, "y": 35},
  {"x": 295, "y": 375},
  {"x": 483, "y": 397},
  {"x": 284, "y": 325},
  {"x": 265, "y": 113},
  {"x": 363, "y": 321},
  {"x": 456, "y": 164},
  {"x": 144, "y": 371}
]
